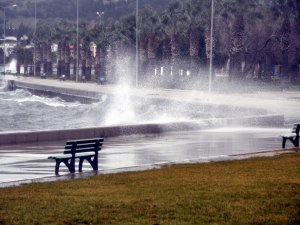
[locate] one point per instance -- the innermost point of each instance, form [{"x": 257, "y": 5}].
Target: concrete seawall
[
  {"x": 67, "y": 94},
  {"x": 113, "y": 131}
]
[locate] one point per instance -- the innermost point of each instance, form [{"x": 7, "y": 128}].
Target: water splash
[
  {"x": 3, "y": 85},
  {"x": 121, "y": 109},
  {"x": 12, "y": 66}
]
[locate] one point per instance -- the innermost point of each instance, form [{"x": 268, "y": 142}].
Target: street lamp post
[
  {"x": 136, "y": 43},
  {"x": 4, "y": 33},
  {"x": 34, "y": 60},
  {"x": 77, "y": 47},
  {"x": 211, "y": 46}
]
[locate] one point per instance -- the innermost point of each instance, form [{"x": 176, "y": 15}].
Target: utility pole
[{"x": 211, "y": 46}]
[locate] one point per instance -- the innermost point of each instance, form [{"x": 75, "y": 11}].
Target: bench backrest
[
  {"x": 296, "y": 128},
  {"x": 81, "y": 146}
]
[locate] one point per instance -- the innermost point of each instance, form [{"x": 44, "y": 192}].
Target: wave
[
  {"x": 3, "y": 85},
  {"x": 22, "y": 96}
]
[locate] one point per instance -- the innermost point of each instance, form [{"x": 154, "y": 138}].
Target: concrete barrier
[
  {"x": 113, "y": 131},
  {"x": 67, "y": 94}
]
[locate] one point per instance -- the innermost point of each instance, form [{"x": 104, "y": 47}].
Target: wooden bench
[
  {"x": 83, "y": 150},
  {"x": 293, "y": 136}
]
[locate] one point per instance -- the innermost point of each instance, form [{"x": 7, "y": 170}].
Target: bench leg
[
  {"x": 70, "y": 165},
  {"x": 80, "y": 164},
  {"x": 93, "y": 163},
  {"x": 296, "y": 142},
  {"x": 283, "y": 142},
  {"x": 57, "y": 166}
]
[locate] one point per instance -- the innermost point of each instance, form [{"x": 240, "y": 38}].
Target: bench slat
[
  {"x": 69, "y": 156},
  {"x": 80, "y": 150},
  {"x": 295, "y": 128},
  {"x": 84, "y": 141},
  {"x": 79, "y": 146},
  {"x": 289, "y": 135}
]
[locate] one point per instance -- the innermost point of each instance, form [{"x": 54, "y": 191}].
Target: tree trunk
[
  {"x": 59, "y": 59},
  {"x": 237, "y": 48},
  {"x": 18, "y": 66},
  {"x": 175, "y": 55},
  {"x": 143, "y": 59},
  {"x": 67, "y": 61},
  {"x": 285, "y": 32},
  {"x": 100, "y": 64},
  {"x": 194, "y": 51},
  {"x": 151, "y": 53},
  {"x": 88, "y": 74},
  {"x": 38, "y": 59},
  {"x": 166, "y": 55},
  {"x": 83, "y": 63},
  {"x": 44, "y": 60},
  {"x": 48, "y": 60}
]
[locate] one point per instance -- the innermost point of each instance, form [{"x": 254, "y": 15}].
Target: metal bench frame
[
  {"x": 293, "y": 136},
  {"x": 86, "y": 149}
]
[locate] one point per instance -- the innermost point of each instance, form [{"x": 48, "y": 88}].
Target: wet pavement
[{"x": 25, "y": 163}]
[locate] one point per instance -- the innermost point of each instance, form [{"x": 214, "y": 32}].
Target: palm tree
[
  {"x": 64, "y": 34},
  {"x": 149, "y": 35},
  {"x": 48, "y": 51},
  {"x": 100, "y": 35},
  {"x": 142, "y": 55},
  {"x": 166, "y": 54},
  {"x": 43, "y": 41},
  {"x": 41, "y": 37},
  {"x": 237, "y": 48},
  {"x": 197, "y": 15},
  {"x": 175, "y": 22},
  {"x": 295, "y": 40},
  {"x": 122, "y": 48},
  {"x": 70, "y": 39},
  {"x": 85, "y": 52},
  {"x": 24, "y": 57},
  {"x": 284, "y": 44},
  {"x": 38, "y": 59},
  {"x": 207, "y": 42}
]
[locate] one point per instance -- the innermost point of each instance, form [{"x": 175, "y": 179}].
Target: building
[{"x": 10, "y": 43}]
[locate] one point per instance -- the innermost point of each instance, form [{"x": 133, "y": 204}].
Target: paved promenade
[{"x": 24, "y": 163}]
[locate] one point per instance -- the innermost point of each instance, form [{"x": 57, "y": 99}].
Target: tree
[
  {"x": 175, "y": 22},
  {"x": 101, "y": 35},
  {"x": 24, "y": 57},
  {"x": 197, "y": 15},
  {"x": 149, "y": 29},
  {"x": 237, "y": 49}
]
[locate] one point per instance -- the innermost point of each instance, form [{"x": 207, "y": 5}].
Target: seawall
[{"x": 113, "y": 131}]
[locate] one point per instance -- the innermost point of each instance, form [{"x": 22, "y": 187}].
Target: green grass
[{"x": 253, "y": 191}]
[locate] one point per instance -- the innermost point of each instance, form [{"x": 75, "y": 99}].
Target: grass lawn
[{"x": 254, "y": 191}]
